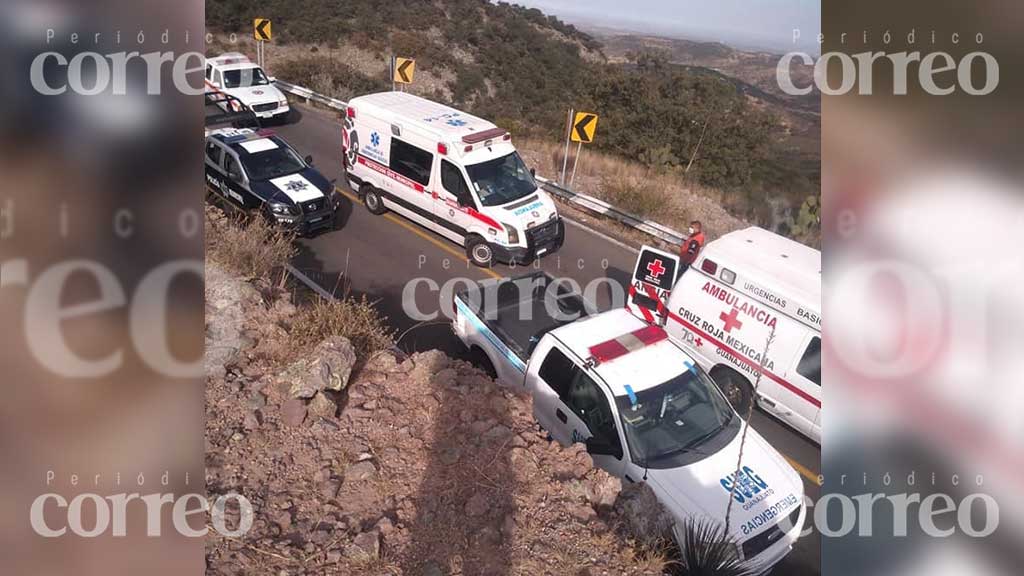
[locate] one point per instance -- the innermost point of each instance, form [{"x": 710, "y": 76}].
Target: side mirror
[
  {"x": 533, "y": 172},
  {"x": 465, "y": 201},
  {"x": 271, "y": 79},
  {"x": 309, "y": 160}
]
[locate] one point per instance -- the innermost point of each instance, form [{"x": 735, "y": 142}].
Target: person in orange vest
[{"x": 691, "y": 247}]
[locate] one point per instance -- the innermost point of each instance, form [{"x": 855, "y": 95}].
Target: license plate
[{"x": 315, "y": 220}]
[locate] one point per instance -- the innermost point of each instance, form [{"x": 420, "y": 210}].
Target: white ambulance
[
  {"x": 743, "y": 287},
  {"x": 451, "y": 172},
  {"x": 236, "y": 75}
]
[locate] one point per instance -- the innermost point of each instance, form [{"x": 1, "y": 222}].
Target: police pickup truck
[
  {"x": 256, "y": 170},
  {"x": 644, "y": 408}
]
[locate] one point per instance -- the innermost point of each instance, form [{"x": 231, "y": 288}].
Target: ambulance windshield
[
  {"x": 673, "y": 417},
  {"x": 501, "y": 180}
]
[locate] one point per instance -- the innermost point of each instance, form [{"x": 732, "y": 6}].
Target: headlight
[
  {"x": 281, "y": 208},
  {"x": 513, "y": 234},
  {"x": 283, "y": 102}
]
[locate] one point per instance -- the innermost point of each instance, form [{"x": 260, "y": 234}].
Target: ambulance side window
[
  {"x": 411, "y": 162},
  {"x": 810, "y": 363},
  {"x": 452, "y": 181}
]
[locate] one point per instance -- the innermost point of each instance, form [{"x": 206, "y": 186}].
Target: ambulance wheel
[
  {"x": 373, "y": 203},
  {"x": 736, "y": 389},
  {"x": 479, "y": 252}
]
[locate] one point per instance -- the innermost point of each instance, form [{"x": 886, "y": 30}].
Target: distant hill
[{"x": 524, "y": 69}]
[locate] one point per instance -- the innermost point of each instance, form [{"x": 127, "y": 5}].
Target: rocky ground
[{"x": 414, "y": 466}]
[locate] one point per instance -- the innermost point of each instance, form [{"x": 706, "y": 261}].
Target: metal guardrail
[
  {"x": 598, "y": 206},
  {"x": 588, "y": 203},
  {"x": 309, "y": 95}
]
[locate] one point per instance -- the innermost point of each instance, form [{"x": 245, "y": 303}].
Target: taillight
[
  {"x": 709, "y": 266},
  {"x": 442, "y": 148},
  {"x": 467, "y": 149},
  {"x": 506, "y": 137},
  {"x": 350, "y": 112}
]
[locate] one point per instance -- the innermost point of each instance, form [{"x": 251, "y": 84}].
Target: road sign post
[
  {"x": 565, "y": 157},
  {"x": 575, "y": 162}
]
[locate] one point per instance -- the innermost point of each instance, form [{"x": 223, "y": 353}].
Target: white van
[
  {"x": 236, "y": 75},
  {"x": 451, "y": 172},
  {"x": 743, "y": 286}
]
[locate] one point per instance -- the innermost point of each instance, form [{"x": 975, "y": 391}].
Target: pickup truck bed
[{"x": 518, "y": 312}]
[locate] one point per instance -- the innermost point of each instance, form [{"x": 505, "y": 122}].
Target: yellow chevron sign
[
  {"x": 261, "y": 29},
  {"x": 404, "y": 69}
]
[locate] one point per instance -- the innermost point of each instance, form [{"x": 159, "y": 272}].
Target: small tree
[{"x": 707, "y": 549}]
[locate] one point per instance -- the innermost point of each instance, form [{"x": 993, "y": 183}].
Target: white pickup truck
[{"x": 644, "y": 408}]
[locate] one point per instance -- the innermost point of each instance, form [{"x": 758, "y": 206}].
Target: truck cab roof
[{"x": 649, "y": 364}]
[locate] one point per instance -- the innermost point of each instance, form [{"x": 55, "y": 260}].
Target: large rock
[
  {"x": 227, "y": 298},
  {"x": 293, "y": 412},
  {"x": 644, "y": 516},
  {"x": 322, "y": 406},
  {"x": 328, "y": 367}
]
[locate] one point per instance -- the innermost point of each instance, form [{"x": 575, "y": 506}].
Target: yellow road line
[
  {"x": 805, "y": 472},
  {"x": 423, "y": 234}
]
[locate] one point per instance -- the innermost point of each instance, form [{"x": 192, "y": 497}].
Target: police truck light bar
[{"x": 630, "y": 342}]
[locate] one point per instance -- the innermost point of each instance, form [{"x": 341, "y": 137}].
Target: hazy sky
[{"x": 742, "y": 23}]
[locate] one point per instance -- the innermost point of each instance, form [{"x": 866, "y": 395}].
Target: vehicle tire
[
  {"x": 736, "y": 388},
  {"x": 482, "y": 361},
  {"x": 373, "y": 202},
  {"x": 479, "y": 252}
]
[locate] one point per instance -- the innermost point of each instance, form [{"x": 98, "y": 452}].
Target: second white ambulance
[
  {"x": 451, "y": 172},
  {"x": 744, "y": 287}
]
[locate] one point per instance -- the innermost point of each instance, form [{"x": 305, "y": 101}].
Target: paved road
[{"x": 411, "y": 272}]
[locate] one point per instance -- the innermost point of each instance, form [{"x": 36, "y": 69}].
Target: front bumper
[
  {"x": 539, "y": 243},
  {"x": 310, "y": 223},
  {"x": 271, "y": 113}
]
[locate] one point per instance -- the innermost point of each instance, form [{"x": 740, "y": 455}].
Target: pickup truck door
[
  {"x": 572, "y": 407},
  {"x": 654, "y": 274},
  {"x": 551, "y": 378}
]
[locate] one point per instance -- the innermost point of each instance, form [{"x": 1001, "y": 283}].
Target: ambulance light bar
[
  {"x": 476, "y": 137},
  {"x": 629, "y": 342}
]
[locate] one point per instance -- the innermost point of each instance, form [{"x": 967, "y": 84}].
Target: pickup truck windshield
[
  {"x": 272, "y": 164},
  {"x": 501, "y": 180},
  {"x": 673, "y": 417},
  {"x": 245, "y": 77}
]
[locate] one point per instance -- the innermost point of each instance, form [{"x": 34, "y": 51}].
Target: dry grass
[
  {"x": 250, "y": 247},
  {"x": 666, "y": 198},
  {"x": 354, "y": 318}
]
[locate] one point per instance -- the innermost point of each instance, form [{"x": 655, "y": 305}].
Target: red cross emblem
[
  {"x": 698, "y": 342},
  {"x": 656, "y": 268},
  {"x": 731, "y": 319}
]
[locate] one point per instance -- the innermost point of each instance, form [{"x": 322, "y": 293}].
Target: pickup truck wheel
[
  {"x": 480, "y": 359},
  {"x": 736, "y": 388},
  {"x": 479, "y": 252},
  {"x": 373, "y": 202}
]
